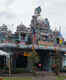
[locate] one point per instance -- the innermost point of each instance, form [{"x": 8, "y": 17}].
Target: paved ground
[
  {"x": 47, "y": 76},
  {"x": 44, "y": 76},
  {"x": 39, "y": 76},
  {"x": 17, "y": 75}
]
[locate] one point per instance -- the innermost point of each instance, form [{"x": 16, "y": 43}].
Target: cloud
[
  {"x": 8, "y": 15},
  {"x": 16, "y": 11},
  {"x": 9, "y": 2}
]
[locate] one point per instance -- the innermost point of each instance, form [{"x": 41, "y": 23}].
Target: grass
[
  {"x": 14, "y": 78},
  {"x": 61, "y": 78}
]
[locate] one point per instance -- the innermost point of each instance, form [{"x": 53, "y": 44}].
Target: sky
[{"x": 21, "y": 11}]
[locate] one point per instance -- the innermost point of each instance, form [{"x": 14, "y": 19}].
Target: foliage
[{"x": 34, "y": 57}]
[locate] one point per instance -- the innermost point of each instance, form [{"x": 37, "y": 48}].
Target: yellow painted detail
[{"x": 27, "y": 54}]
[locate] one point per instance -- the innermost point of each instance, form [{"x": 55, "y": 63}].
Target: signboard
[
  {"x": 27, "y": 54},
  {"x": 23, "y": 46},
  {"x": 22, "y": 42},
  {"x": 45, "y": 43},
  {"x": 61, "y": 41},
  {"x": 41, "y": 47}
]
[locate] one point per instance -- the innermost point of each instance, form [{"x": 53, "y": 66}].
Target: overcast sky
[{"x": 20, "y": 11}]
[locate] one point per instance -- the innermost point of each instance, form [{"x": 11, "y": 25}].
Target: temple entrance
[
  {"x": 19, "y": 62},
  {"x": 2, "y": 62},
  {"x": 46, "y": 59}
]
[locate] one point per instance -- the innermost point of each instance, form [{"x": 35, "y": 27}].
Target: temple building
[
  {"x": 3, "y": 28},
  {"x": 40, "y": 28},
  {"x": 38, "y": 37},
  {"x": 23, "y": 33},
  {"x": 3, "y": 32}
]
